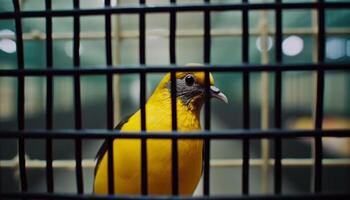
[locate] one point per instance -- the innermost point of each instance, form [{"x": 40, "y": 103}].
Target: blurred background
[{"x": 298, "y": 96}]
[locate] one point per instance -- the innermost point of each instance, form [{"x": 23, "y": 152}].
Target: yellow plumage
[{"x": 127, "y": 152}]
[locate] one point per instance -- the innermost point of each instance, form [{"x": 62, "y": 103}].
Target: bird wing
[{"x": 104, "y": 147}]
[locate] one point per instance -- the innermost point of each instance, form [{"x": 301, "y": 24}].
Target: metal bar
[
  {"x": 116, "y": 60},
  {"x": 285, "y": 162},
  {"x": 129, "y": 69},
  {"x": 77, "y": 100},
  {"x": 278, "y": 102},
  {"x": 110, "y": 170},
  {"x": 20, "y": 98},
  {"x": 174, "y": 150},
  {"x": 143, "y": 128},
  {"x": 178, "y": 8},
  {"x": 207, "y": 109},
  {"x": 207, "y": 35},
  {"x": 134, "y": 34},
  {"x": 333, "y": 196},
  {"x": 109, "y": 62},
  {"x": 78, "y": 166},
  {"x": 245, "y": 167},
  {"x": 206, "y": 166},
  {"x": 319, "y": 99},
  {"x": 49, "y": 100},
  {"x": 142, "y": 35},
  {"x": 110, "y": 109},
  {"x": 216, "y": 163},
  {"x": 246, "y": 110},
  {"x": 142, "y": 54},
  {"x": 227, "y": 134},
  {"x": 172, "y": 35}
]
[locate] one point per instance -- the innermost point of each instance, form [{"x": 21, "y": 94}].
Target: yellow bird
[{"x": 127, "y": 152}]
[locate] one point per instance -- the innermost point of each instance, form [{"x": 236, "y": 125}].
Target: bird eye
[{"x": 189, "y": 80}]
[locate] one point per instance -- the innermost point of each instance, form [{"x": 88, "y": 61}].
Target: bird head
[{"x": 190, "y": 88}]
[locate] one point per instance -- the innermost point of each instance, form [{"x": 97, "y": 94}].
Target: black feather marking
[{"x": 104, "y": 147}]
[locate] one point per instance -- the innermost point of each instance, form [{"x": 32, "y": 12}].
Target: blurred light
[
  {"x": 348, "y": 48},
  {"x": 8, "y": 46},
  {"x": 6, "y": 33},
  {"x": 68, "y": 49},
  {"x": 134, "y": 91},
  {"x": 292, "y": 45},
  {"x": 335, "y": 48},
  {"x": 259, "y": 41}
]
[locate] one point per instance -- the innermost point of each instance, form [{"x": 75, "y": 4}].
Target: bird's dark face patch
[{"x": 187, "y": 88}]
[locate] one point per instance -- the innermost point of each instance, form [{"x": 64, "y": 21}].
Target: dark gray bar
[
  {"x": 20, "y": 98},
  {"x": 278, "y": 102},
  {"x": 77, "y": 100},
  {"x": 319, "y": 98},
  {"x": 245, "y": 100},
  {"x": 49, "y": 99},
  {"x": 177, "y": 8},
  {"x": 110, "y": 108},
  {"x": 132, "y": 69},
  {"x": 229, "y": 134},
  {"x": 142, "y": 54}
]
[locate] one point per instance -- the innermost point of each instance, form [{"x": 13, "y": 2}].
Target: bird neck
[{"x": 187, "y": 115}]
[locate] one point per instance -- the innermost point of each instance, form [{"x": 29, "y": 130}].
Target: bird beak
[{"x": 215, "y": 92}]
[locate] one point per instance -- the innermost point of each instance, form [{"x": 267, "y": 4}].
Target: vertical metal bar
[
  {"x": 207, "y": 36},
  {"x": 144, "y": 170},
  {"x": 206, "y": 170},
  {"x": 172, "y": 52},
  {"x": 278, "y": 102},
  {"x": 116, "y": 61},
  {"x": 20, "y": 98},
  {"x": 175, "y": 175},
  {"x": 142, "y": 54},
  {"x": 207, "y": 48},
  {"x": 110, "y": 109},
  {"x": 49, "y": 99},
  {"x": 246, "y": 110},
  {"x": 246, "y": 142},
  {"x": 110, "y": 170},
  {"x": 319, "y": 99},
  {"x": 172, "y": 37},
  {"x": 77, "y": 99}
]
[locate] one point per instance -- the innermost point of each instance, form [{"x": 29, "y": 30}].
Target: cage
[{"x": 285, "y": 65}]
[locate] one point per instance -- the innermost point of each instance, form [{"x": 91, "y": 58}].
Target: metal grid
[{"x": 246, "y": 134}]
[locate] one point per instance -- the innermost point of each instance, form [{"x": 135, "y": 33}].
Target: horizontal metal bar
[
  {"x": 286, "y": 162},
  {"x": 126, "y": 69},
  {"x": 27, "y": 195},
  {"x": 112, "y": 134},
  {"x": 216, "y": 163},
  {"x": 38, "y": 35},
  {"x": 136, "y": 9}
]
